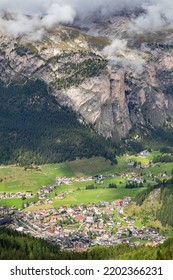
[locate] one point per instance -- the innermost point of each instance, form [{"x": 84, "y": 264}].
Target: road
[{"x": 26, "y": 225}]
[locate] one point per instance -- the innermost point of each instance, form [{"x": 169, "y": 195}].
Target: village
[{"x": 79, "y": 227}]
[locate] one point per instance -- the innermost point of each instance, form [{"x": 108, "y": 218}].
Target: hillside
[
  {"x": 34, "y": 129},
  {"x": 153, "y": 206},
  {"x": 121, "y": 86}
]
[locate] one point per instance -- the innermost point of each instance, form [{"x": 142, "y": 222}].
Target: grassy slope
[
  {"x": 16, "y": 179},
  {"x": 73, "y": 39}
]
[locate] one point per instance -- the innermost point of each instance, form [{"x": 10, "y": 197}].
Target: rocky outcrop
[
  {"x": 112, "y": 98},
  {"x": 101, "y": 101},
  {"x": 120, "y": 98}
]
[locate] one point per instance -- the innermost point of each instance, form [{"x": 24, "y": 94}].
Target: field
[
  {"x": 15, "y": 179},
  {"x": 89, "y": 196},
  {"x": 95, "y": 196},
  {"x": 81, "y": 167},
  {"x": 17, "y": 202}
]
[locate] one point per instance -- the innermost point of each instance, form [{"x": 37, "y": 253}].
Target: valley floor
[{"x": 82, "y": 203}]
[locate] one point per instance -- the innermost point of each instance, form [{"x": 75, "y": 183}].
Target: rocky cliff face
[
  {"x": 114, "y": 94},
  {"x": 101, "y": 101}
]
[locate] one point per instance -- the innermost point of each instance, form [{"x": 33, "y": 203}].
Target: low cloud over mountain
[{"x": 31, "y": 17}]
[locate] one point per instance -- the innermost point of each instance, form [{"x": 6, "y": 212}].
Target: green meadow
[
  {"x": 16, "y": 178},
  {"x": 19, "y": 179},
  {"x": 12, "y": 202},
  {"x": 80, "y": 167},
  {"x": 94, "y": 196},
  {"x": 90, "y": 196},
  {"x": 17, "y": 202}
]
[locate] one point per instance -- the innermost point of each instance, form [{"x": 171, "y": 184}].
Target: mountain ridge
[{"x": 113, "y": 86}]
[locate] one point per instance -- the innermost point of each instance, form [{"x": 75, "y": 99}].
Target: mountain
[
  {"x": 122, "y": 87},
  {"x": 34, "y": 129}
]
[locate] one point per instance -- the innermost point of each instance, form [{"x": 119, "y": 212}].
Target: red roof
[
  {"x": 79, "y": 217},
  {"x": 118, "y": 201}
]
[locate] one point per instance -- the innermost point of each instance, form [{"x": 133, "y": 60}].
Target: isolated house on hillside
[{"x": 131, "y": 163}]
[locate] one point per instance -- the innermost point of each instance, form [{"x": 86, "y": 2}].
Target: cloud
[
  {"x": 57, "y": 13},
  {"x": 32, "y": 16},
  {"x": 117, "y": 48},
  {"x": 119, "y": 54},
  {"x": 158, "y": 14},
  {"x": 21, "y": 24}
]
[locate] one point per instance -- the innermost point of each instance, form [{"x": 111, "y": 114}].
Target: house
[
  {"x": 89, "y": 220},
  {"x": 61, "y": 196},
  {"x": 13, "y": 207},
  {"x": 151, "y": 244},
  {"x": 144, "y": 153},
  {"x": 97, "y": 177},
  {"x": 5, "y": 220},
  {"x": 20, "y": 229},
  {"x": 79, "y": 218},
  {"x": 161, "y": 175},
  {"x": 118, "y": 202},
  {"x": 131, "y": 163},
  {"x": 109, "y": 212}
]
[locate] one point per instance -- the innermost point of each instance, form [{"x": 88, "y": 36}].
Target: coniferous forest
[
  {"x": 15, "y": 246},
  {"x": 34, "y": 129}
]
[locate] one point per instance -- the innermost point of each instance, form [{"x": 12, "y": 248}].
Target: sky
[{"x": 32, "y": 16}]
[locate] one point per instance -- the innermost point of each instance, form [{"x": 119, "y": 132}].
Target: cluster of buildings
[
  {"x": 63, "y": 180},
  {"x": 43, "y": 194},
  {"x": 7, "y": 195},
  {"x": 79, "y": 227},
  {"x": 46, "y": 190},
  {"x": 68, "y": 181},
  {"x": 133, "y": 164},
  {"x": 64, "y": 194}
]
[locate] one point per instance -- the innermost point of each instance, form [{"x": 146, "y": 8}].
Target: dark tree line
[
  {"x": 165, "y": 213},
  {"x": 16, "y": 246},
  {"x": 150, "y": 138},
  {"x": 163, "y": 158},
  {"x": 133, "y": 185},
  {"x": 35, "y": 129}
]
